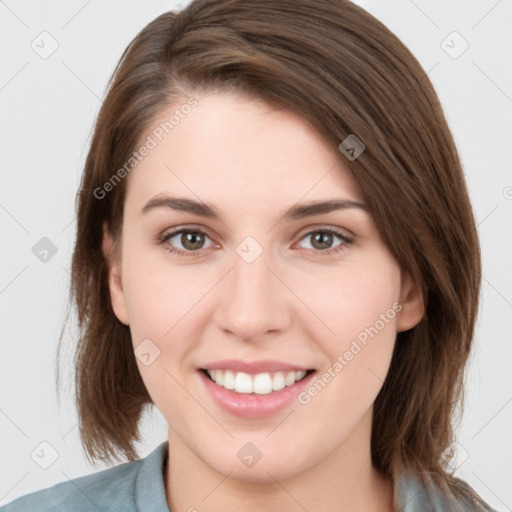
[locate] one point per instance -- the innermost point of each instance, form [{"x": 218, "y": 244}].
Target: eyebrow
[{"x": 296, "y": 212}]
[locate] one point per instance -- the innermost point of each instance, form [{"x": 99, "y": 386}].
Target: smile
[{"x": 260, "y": 383}]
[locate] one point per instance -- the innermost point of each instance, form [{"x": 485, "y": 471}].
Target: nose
[{"x": 254, "y": 300}]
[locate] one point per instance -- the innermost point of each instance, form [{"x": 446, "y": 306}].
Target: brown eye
[
  {"x": 323, "y": 239},
  {"x": 191, "y": 240}
]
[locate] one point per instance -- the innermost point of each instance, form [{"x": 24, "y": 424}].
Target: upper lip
[{"x": 261, "y": 366}]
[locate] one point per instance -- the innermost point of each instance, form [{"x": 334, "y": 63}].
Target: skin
[{"x": 292, "y": 303}]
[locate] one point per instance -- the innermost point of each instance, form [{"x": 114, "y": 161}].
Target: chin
[{"x": 247, "y": 463}]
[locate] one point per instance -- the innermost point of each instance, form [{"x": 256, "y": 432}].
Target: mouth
[{"x": 264, "y": 383}]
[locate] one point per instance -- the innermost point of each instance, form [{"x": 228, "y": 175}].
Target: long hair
[{"x": 333, "y": 63}]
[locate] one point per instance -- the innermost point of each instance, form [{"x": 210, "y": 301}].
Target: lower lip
[{"x": 254, "y": 405}]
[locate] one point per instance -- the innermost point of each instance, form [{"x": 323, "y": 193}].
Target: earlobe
[
  {"x": 114, "y": 278},
  {"x": 413, "y": 305}
]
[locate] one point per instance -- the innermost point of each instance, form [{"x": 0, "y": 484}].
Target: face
[{"x": 299, "y": 312}]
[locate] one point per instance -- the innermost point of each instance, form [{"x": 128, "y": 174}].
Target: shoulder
[
  {"x": 110, "y": 490},
  {"x": 98, "y": 491},
  {"x": 419, "y": 493}
]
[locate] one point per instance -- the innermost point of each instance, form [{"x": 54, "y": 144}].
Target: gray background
[{"x": 49, "y": 106}]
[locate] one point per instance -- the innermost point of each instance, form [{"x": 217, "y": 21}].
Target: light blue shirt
[{"x": 139, "y": 487}]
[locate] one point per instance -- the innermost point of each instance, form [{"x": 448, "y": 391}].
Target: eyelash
[{"x": 328, "y": 252}]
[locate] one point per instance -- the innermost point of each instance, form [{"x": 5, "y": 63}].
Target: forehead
[{"x": 233, "y": 150}]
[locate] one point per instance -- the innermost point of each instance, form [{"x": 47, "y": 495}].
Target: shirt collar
[
  {"x": 411, "y": 494},
  {"x": 150, "y": 482}
]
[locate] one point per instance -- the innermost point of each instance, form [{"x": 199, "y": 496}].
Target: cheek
[
  {"x": 352, "y": 299},
  {"x": 158, "y": 294},
  {"x": 160, "y": 300},
  {"x": 360, "y": 306},
  {"x": 164, "y": 302}
]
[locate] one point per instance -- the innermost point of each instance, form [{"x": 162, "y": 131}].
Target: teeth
[
  {"x": 289, "y": 379},
  {"x": 278, "y": 382},
  {"x": 243, "y": 383},
  {"x": 261, "y": 383},
  {"x": 229, "y": 379}
]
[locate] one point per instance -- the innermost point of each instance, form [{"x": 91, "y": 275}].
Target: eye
[
  {"x": 323, "y": 238},
  {"x": 191, "y": 239}
]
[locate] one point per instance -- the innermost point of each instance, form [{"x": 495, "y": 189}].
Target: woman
[{"x": 276, "y": 248}]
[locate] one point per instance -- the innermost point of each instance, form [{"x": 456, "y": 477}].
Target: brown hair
[{"x": 343, "y": 70}]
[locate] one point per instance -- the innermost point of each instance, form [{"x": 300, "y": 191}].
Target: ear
[
  {"x": 114, "y": 278},
  {"x": 413, "y": 306}
]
